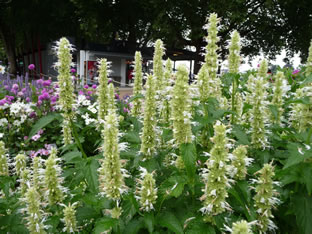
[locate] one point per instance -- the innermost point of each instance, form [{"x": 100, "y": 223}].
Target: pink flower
[
  {"x": 110, "y": 81},
  {"x": 89, "y": 92},
  {"x": 15, "y": 87},
  {"x": 40, "y": 132},
  {"x": 25, "y": 138},
  {"x": 80, "y": 92},
  {"x": 39, "y": 82},
  {"x": 86, "y": 86},
  {"x": 2, "y": 102},
  {"x": 47, "y": 82},
  {"x": 73, "y": 70},
  {"x": 94, "y": 86},
  {"x": 295, "y": 72},
  {"x": 27, "y": 99},
  {"x": 20, "y": 94},
  {"x": 31, "y": 67},
  {"x": 32, "y": 154},
  {"x": 35, "y": 137}
]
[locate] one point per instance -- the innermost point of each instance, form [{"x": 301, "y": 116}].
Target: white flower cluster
[{"x": 20, "y": 111}]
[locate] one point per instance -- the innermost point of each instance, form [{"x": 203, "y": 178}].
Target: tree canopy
[{"x": 266, "y": 26}]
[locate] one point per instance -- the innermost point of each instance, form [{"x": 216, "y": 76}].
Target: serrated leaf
[
  {"x": 91, "y": 174},
  {"x": 297, "y": 154},
  {"x": 173, "y": 186},
  {"x": 134, "y": 226},
  {"x": 169, "y": 220},
  {"x": 149, "y": 221},
  {"x": 302, "y": 205},
  {"x": 241, "y": 135},
  {"x": 72, "y": 156},
  {"x": 44, "y": 121},
  {"x": 188, "y": 154},
  {"x": 104, "y": 224}
]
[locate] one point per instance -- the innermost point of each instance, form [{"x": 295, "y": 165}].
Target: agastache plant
[
  {"x": 20, "y": 164},
  {"x": 54, "y": 191},
  {"x": 308, "y": 70},
  {"x": 36, "y": 174},
  {"x": 103, "y": 90},
  {"x": 4, "y": 165},
  {"x": 165, "y": 106},
  {"x": 69, "y": 218},
  {"x": 240, "y": 162},
  {"x": 66, "y": 88},
  {"x": 234, "y": 53},
  {"x": 265, "y": 198},
  {"x": 111, "y": 173},
  {"x": 111, "y": 105},
  {"x": 24, "y": 180},
  {"x": 300, "y": 114},
  {"x": 138, "y": 86},
  {"x": 158, "y": 70},
  {"x": 215, "y": 176},
  {"x": 279, "y": 91},
  {"x": 240, "y": 227},
  {"x": 35, "y": 214},
  {"x": 146, "y": 191},
  {"x": 263, "y": 69},
  {"x": 148, "y": 136},
  {"x": 259, "y": 114},
  {"x": 211, "y": 59}
]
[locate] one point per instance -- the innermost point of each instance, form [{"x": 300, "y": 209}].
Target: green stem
[
  {"x": 309, "y": 136},
  {"x": 77, "y": 139}
]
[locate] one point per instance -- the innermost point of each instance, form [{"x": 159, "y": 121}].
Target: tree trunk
[{"x": 8, "y": 38}]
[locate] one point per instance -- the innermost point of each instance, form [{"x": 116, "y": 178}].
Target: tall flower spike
[
  {"x": 36, "y": 174},
  {"x": 234, "y": 55},
  {"x": 24, "y": 180},
  {"x": 300, "y": 114},
  {"x": 158, "y": 70},
  {"x": 181, "y": 108},
  {"x": 66, "y": 88},
  {"x": 111, "y": 97},
  {"x": 240, "y": 162},
  {"x": 203, "y": 83},
  {"x": 279, "y": 91},
  {"x": 211, "y": 61},
  {"x": 258, "y": 114},
  {"x": 215, "y": 176},
  {"x": 34, "y": 212},
  {"x": 148, "y": 136},
  {"x": 308, "y": 70},
  {"x": 240, "y": 227},
  {"x": 70, "y": 218},
  {"x": 147, "y": 191},
  {"x": 263, "y": 69},
  {"x": 265, "y": 198},
  {"x": 137, "y": 89},
  {"x": 4, "y": 165},
  {"x": 111, "y": 173},
  {"x": 102, "y": 90},
  {"x": 165, "y": 106},
  {"x": 54, "y": 191},
  {"x": 20, "y": 164}
]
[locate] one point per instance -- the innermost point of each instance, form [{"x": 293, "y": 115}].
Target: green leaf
[
  {"x": 104, "y": 224},
  {"x": 307, "y": 175},
  {"x": 188, "y": 154},
  {"x": 274, "y": 111},
  {"x": 173, "y": 186},
  {"x": 73, "y": 156},
  {"x": 85, "y": 214},
  {"x": 134, "y": 226},
  {"x": 44, "y": 121},
  {"x": 149, "y": 221},
  {"x": 241, "y": 135},
  {"x": 297, "y": 154},
  {"x": 139, "y": 96},
  {"x": 169, "y": 220},
  {"x": 302, "y": 205},
  {"x": 91, "y": 174},
  {"x": 132, "y": 137}
]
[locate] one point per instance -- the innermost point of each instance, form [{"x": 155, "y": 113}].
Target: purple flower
[
  {"x": 47, "y": 82},
  {"x": 296, "y": 71},
  {"x": 117, "y": 96},
  {"x": 32, "y": 114},
  {"x": 73, "y": 70},
  {"x": 7, "y": 87},
  {"x": 126, "y": 110},
  {"x": 89, "y": 92},
  {"x": 25, "y": 138},
  {"x": 39, "y": 82},
  {"x": 27, "y": 99},
  {"x": 44, "y": 96},
  {"x": 32, "y": 154},
  {"x": 20, "y": 94},
  {"x": 53, "y": 99},
  {"x": 24, "y": 90},
  {"x": 15, "y": 87},
  {"x": 2, "y": 102},
  {"x": 35, "y": 137},
  {"x": 110, "y": 81},
  {"x": 39, "y": 103},
  {"x": 80, "y": 92},
  {"x": 94, "y": 86},
  {"x": 86, "y": 86},
  {"x": 31, "y": 67},
  {"x": 40, "y": 132}
]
